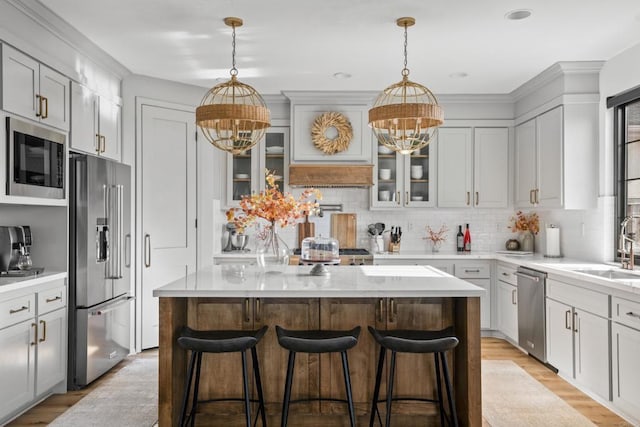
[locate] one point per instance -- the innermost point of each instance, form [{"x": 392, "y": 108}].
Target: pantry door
[{"x": 166, "y": 202}]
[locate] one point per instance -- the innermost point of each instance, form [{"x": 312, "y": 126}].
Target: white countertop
[
  {"x": 235, "y": 280},
  {"x": 9, "y": 284}
]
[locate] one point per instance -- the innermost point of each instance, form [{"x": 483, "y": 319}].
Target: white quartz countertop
[
  {"x": 236, "y": 280},
  {"x": 9, "y": 284}
]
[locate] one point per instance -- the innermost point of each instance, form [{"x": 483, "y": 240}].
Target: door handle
[
  {"x": 110, "y": 306},
  {"x": 257, "y": 309},
  {"x": 514, "y": 299},
  {"x": 567, "y": 319},
  {"x": 103, "y": 143},
  {"x": 575, "y": 321},
  {"x": 531, "y": 197},
  {"x": 477, "y": 198},
  {"x": 18, "y": 310},
  {"x": 58, "y": 297},
  {"x": 44, "y": 331},
  {"x": 127, "y": 250},
  {"x": 468, "y": 198},
  {"x": 398, "y": 198},
  {"x": 632, "y": 314},
  {"x": 46, "y": 107},
  {"x": 247, "y": 319},
  {"x": 35, "y": 334},
  {"x": 147, "y": 250},
  {"x": 381, "y": 309},
  {"x": 39, "y": 108},
  {"x": 536, "y": 193},
  {"x": 392, "y": 310},
  {"x": 406, "y": 199},
  {"x": 527, "y": 276},
  {"x": 97, "y": 143}
]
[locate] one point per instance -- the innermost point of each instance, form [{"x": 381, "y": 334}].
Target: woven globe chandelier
[
  {"x": 232, "y": 115},
  {"x": 406, "y": 115}
]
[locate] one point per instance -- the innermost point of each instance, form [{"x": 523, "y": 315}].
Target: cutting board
[
  {"x": 305, "y": 229},
  {"x": 344, "y": 229}
]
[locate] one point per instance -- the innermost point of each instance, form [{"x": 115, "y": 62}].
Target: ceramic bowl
[
  {"x": 417, "y": 198},
  {"x": 242, "y": 175},
  {"x": 384, "y": 150},
  {"x": 385, "y": 173},
  {"x": 275, "y": 150}
]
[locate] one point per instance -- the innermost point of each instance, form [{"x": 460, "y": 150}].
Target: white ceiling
[{"x": 300, "y": 44}]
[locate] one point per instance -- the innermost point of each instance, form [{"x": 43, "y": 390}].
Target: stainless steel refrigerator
[{"x": 99, "y": 267}]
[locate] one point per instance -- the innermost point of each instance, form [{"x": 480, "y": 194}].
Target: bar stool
[
  {"x": 317, "y": 341},
  {"x": 414, "y": 341},
  {"x": 223, "y": 341}
]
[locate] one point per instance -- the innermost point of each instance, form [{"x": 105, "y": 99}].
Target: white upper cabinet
[
  {"x": 556, "y": 158},
  {"x": 34, "y": 91},
  {"x": 95, "y": 123},
  {"x": 473, "y": 167}
]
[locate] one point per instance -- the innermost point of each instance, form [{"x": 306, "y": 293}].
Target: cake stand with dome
[{"x": 319, "y": 252}]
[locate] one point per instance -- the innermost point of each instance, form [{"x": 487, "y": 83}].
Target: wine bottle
[
  {"x": 460, "y": 239},
  {"x": 467, "y": 239}
]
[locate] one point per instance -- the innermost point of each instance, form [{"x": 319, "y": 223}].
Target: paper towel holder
[{"x": 552, "y": 249}]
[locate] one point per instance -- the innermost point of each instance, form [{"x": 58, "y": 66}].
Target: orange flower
[
  {"x": 524, "y": 222},
  {"x": 274, "y": 206}
]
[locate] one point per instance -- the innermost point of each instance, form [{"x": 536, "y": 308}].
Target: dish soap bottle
[
  {"x": 460, "y": 240},
  {"x": 467, "y": 239}
]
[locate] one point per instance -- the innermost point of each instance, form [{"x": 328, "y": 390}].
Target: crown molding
[
  {"x": 481, "y": 98},
  {"x": 331, "y": 97},
  {"x": 48, "y": 20},
  {"x": 556, "y": 70}
]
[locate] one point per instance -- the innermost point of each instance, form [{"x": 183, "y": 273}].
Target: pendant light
[
  {"x": 232, "y": 115},
  {"x": 406, "y": 115}
]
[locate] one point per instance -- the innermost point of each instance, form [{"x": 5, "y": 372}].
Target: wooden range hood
[{"x": 330, "y": 175}]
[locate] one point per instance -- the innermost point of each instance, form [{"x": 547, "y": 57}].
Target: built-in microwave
[{"x": 35, "y": 160}]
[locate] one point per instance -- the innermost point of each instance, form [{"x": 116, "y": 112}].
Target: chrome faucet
[{"x": 627, "y": 263}]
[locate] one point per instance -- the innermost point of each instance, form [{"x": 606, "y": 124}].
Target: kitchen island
[{"x": 386, "y": 297}]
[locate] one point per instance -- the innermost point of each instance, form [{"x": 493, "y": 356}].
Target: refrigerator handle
[
  {"x": 120, "y": 231},
  {"x": 127, "y": 250},
  {"x": 147, "y": 250}
]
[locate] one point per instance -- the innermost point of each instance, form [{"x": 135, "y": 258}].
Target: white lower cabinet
[
  {"x": 17, "y": 367},
  {"x": 625, "y": 344},
  {"x": 507, "y": 300},
  {"x": 478, "y": 273},
  {"x": 51, "y": 360},
  {"x": 577, "y": 339}
]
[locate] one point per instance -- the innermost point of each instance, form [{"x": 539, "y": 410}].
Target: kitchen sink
[{"x": 610, "y": 274}]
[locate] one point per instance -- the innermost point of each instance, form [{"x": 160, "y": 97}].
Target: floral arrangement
[
  {"x": 273, "y": 206},
  {"x": 437, "y": 236},
  {"x": 524, "y": 222}
]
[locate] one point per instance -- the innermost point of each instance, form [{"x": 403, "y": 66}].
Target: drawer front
[
  {"x": 18, "y": 309},
  {"x": 507, "y": 274},
  {"x": 626, "y": 312},
  {"x": 52, "y": 299},
  {"x": 585, "y": 299},
  {"x": 471, "y": 270}
]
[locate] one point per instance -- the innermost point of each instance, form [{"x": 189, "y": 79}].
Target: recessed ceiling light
[
  {"x": 518, "y": 14},
  {"x": 460, "y": 75},
  {"x": 341, "y": 75}
]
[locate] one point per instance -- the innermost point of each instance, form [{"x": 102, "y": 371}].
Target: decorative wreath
[{"x": 331, "y": 120}]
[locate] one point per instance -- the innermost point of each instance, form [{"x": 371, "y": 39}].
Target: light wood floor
[{"x": 492, "y": 349}]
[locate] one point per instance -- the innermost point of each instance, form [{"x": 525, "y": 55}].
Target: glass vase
[
  {"x": 527, "y": 242},
  {"x": 435, "y": 246},
  {"x": 272, "y": 252}
]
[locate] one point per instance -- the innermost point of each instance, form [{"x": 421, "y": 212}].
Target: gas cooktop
[{"x": 344, "y": 251}]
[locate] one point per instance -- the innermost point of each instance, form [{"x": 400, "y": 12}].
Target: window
[{"x": 627, "y": 144}]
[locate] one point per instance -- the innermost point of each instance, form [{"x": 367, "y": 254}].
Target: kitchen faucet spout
[{"x": 626, "y": 263}]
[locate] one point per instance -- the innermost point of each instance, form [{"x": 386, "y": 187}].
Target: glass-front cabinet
[
  {"x": 246, "y": 172},
  {"x": 404, "y": 180}
]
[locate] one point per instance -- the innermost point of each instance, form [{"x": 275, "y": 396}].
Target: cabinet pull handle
[
  {"x": 468, "y": 198},
  {"x": 44, "y": 331},
  {"x": 246, "y": 310},
  {"x": 39, "y": 108},
  {"x": 147, "y": 250},
  {"x": 514, "y": 299},
  {"x": 476, "y": 270},
  {"x": 18, "y": 310},
  {"x": 567, "y": 319},
  {"x": 536, "y": 193},
  {"x": 575, "y": 321},
  {"x": 381, "y": 309},
  {"x": 505, "y": 274},
  {"x": 392, "y": 310},
  {"x": 406, "y": 199},
  {"x": 46, "y": 107},
  {"x": 97, "y": 143},
  {"x": 398, "y": 198},
  {"x": 477, "y": 198},
  {"x": 257, "y": 309},
  {"x": 35, "y": 334},
  {"x": 58, "y": 297},
  {"x": 103, "y": 143},
  {"x": 531, "y": 196},
  {"x": 632, "y": 314}
]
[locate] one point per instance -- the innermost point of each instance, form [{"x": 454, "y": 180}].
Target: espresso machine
[{"x": 15, "y": 250}]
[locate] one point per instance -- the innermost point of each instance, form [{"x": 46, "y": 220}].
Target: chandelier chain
[
  {"x": 234, "y": 70},
  {"x": 405, "y": 70}
]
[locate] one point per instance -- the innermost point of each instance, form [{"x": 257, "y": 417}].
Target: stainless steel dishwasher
[{"x": 531, "y": 312}]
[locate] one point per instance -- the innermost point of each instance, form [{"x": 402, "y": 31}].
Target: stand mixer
[{"x": 235, "y": 241}]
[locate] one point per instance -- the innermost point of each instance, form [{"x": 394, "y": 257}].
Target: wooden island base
[{"x": 320, "y": 375}]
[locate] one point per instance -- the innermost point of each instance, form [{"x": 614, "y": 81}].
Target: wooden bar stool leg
[
  {"x": 245, "y": 389},
  {"x": 187, "y": 388},
  {"x": 439, "y": 385},
  {"x": 447, "y": 379},
  {"x": 194, "y": 405},
  {"x": 347, "y": 384},
  {"x": 287, "y": 389},
  {"x": 392, "y": 373},
  {"x": 376, "y": 389},
  {"x": 256, "y": 370}
]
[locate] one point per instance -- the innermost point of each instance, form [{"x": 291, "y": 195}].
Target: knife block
[{"x": 394, "y": 247}]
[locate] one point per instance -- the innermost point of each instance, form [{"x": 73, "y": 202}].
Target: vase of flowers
[
  {"x": 527, "y": 225},
  {"x": 277, "y": 210},
  {"x": 436, "y": 237}
]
